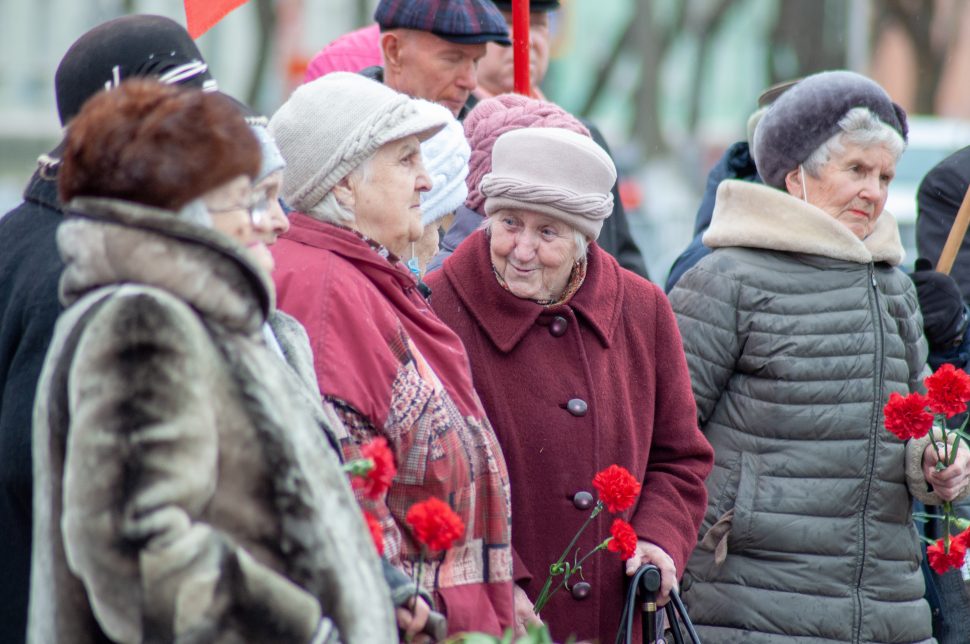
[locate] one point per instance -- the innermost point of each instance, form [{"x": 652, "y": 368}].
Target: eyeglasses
[{"x": 257, "y": 209}]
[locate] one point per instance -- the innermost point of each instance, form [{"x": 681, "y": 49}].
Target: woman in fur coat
[
  {"x": 797, "y": 328},
  {"x": 185, "y": 490}
]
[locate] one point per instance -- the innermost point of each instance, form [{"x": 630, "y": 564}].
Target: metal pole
[{"x": 520, "y": 46}]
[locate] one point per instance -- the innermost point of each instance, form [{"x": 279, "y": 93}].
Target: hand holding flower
[
  {"x": 648, "y": 553},
  {"x": 952, "y": 479},
  {"x": 525, "y": 614}
]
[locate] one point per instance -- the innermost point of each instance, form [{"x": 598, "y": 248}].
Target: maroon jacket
[{"x": 570, "y": 390}]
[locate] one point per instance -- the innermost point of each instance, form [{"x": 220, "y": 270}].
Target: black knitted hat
[{"x": 808, "y": 114}]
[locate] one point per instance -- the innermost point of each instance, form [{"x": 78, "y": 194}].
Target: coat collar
[
  {"x": 506, "y": 319},
  {"x": 756, "y": 216},
  {"x": 108, "y": 241},
  {"x": 42, "y": 188},
  {"x": 345, "y": 243}
]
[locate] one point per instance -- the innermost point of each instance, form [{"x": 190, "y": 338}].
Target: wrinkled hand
[
  {"x": 949, "y": 482},
  {"x": 411, "y": 619},
  {"x": 525, "y": 613},
  {"x": 648, "y": 553},
  {"x": 941, "y": 303}
]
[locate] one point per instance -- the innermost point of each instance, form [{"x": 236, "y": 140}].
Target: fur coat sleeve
[{"x": 142, "y": 464}]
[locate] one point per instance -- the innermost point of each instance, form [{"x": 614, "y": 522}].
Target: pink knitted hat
[{"x": 494, "y": 117}]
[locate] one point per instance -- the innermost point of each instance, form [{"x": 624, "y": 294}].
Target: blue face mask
[{"x": 412, "y": 264}]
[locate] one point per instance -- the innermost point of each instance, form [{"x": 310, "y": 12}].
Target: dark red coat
[{"x": 619, "y": 353}]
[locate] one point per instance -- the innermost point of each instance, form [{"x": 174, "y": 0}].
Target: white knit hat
[
  {"x": 445, "y": 157},
  {"x": 331, "y": 125},
  {"x": 553, "y": 171}
]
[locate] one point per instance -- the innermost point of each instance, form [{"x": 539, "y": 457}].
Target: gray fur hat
[{"x": 808, "y": 115}]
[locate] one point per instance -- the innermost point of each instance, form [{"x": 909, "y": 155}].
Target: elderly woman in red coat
[{"x": 579, "y": 365}]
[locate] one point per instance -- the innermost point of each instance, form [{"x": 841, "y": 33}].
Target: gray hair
[
  {"x": 330, "y": 210},
  {"x": 860, "y": 126},
  {"x": 581, "y": 241}
]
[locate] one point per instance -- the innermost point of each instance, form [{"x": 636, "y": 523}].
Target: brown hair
[{"x": 156, "y": 145}]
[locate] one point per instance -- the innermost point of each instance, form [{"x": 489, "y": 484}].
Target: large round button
[
  {"x": 581, "y": 590},
  {"x": 558, "y": 326},
  {"x": 583, "y": 500},
  {"x": 577, "y": 407}
]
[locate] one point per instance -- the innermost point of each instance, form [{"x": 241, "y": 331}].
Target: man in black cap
[
  {"x": 30, "y": 268},
  {"x": 431, "y": 48}
]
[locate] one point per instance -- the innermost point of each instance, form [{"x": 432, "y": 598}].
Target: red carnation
[
  {"x": 906, "y": 416},
  {"x": 377, "y": 481},
  {"x": 941, "y": 561},
  {"x": 624, "y": 539},
  {"x": 376, "y": 533},
  {"x": 435, "y": 524},
  {"x": 617, "y": 488},
  {"x": 948, "y": 390}
]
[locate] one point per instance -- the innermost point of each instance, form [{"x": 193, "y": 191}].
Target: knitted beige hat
[
  {"x": 553, "y": 171},
  {"x": 332, "y": 124}
]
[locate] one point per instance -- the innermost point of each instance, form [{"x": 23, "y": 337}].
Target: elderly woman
[
  {"x": 185, "y": 490},
  {"x": 797, "y": 329},
  {"x": 579, "y": 365},
  {"x": 389, "y": 366}
]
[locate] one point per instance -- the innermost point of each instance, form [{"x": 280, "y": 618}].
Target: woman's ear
[
  {"x": 345, "y": 193},
  {"x": 793, "y": 183}
]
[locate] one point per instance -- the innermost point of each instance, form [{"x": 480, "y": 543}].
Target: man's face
[
  {"x": 426, "y": 66},
  {"x": 495, "y": 72}
]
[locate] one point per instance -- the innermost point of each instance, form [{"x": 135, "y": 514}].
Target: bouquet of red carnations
[{"x": 914, "y": 416}]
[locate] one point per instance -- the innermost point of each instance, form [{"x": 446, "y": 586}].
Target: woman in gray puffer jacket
[{"x": 797, "y": 328}]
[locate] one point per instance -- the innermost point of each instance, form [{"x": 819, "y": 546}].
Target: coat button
[
  {"x": 558, "y": 326},
  {"x": 583, "y": 500},
  {"x": 581, "y": 590},
  {"x": 577, "y": 407}
]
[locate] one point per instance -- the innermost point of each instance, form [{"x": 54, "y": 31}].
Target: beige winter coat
[{"x": 184, "y": 486}]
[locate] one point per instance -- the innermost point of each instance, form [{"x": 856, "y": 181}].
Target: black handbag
[{"x": 643, "y": 589}]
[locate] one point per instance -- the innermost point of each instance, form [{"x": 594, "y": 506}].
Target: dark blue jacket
[
  {"x": 29, "y": 271},
  {"x": 735, "y": 163}
]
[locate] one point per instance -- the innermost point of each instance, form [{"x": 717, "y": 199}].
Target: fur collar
[
  {"x": 757, "y": 216},
  {"x": 107, "y": 241}
]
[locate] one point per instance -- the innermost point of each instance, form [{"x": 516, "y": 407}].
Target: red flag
[{"x": 202, "y": 15}]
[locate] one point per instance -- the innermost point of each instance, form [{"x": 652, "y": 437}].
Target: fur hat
[
  {"x": 553, "y": 171},
  {"x": 808, "y": 114},
  {"x": 494, "y": 117},
  {"x": 155, "y": 145},
  {"x": 445, "y": 158},
  {"x": 331, "y": 125}
]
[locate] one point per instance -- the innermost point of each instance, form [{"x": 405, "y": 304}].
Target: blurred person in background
[
  {"x": 30, "y": 267},
  {"x": 163, "y": 411},
  {"x": 384, "y": 360},
  {"x": 496, "y": 75},
  {"x": 797, "y": 328},
  {"x": 445, "y": 156},
  {"x": 579, "y": 365},
  {"x": 943, "y": 303},
  {"x": 735, "y": 163}
]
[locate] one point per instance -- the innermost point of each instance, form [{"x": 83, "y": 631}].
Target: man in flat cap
[{"x": 431, "y": 48}]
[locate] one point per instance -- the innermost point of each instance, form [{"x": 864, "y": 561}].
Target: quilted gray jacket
[{"x": 796, "y": 333}]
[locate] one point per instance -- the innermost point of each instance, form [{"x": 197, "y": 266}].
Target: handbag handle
[{"x": 645, "y": 584}]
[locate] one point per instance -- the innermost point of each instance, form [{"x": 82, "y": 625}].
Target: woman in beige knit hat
[
  {"x": 384, "y": 360},
  {"x": 579, "y": 365}
]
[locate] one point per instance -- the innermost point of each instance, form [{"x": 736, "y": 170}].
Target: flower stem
[{"x": 545, "y": 594}]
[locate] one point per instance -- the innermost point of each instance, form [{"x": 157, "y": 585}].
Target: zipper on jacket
[{"x": 871, "y": 453}]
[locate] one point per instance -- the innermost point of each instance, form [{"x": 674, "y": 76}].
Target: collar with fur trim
[{"x": 757, "y": 216}]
